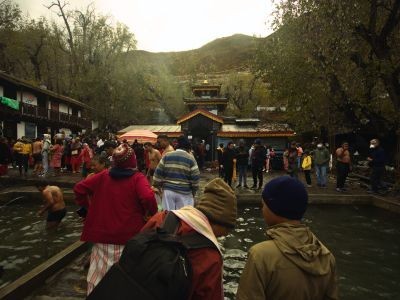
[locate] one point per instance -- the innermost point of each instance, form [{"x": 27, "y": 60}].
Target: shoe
[
  {"x": 246, "y": 186},
  {"x": 339, "y": 190},
  {"x": 323, "y": 186},
  {"x": 238, "y": 186},
  {"x": 309, "y": 185},
  {"x": 253, "y": 186}
]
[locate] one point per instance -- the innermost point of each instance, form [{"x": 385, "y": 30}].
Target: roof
[
  {"x": 170, "y": 130},
  {"x": 20, "y": 82},
  {"x": 265, "y": 130},
  {"x": 205, "y": 101},
  {"x": 200, "y": 111},
  {"x": 248, "y": 120}
]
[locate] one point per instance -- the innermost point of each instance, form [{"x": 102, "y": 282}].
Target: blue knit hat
[{"x": 286, "y": 197}]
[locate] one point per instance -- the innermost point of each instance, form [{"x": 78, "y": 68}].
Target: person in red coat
[
  {"x": 214, "y": 215},
  {"x": 121, "y": 202}
]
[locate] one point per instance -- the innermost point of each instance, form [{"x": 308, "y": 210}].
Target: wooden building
[
  {"x": 31, "y": 111},
  {"x": 205, "y": 122}
]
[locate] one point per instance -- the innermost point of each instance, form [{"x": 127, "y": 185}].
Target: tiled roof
[
  {"x": 157, "y": 129},
  {"x": 203, "y": 112}
]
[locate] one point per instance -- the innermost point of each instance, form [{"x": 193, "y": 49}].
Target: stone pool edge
[
  {"x": 24, "y": 285},
  {"x": 358, "y": 199}
]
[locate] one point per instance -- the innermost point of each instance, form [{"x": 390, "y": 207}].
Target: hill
[{"x": 228, "y": 53}]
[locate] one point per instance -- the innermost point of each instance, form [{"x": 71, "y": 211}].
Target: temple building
[
  {"x": 29, "y": 110},
  {"x": 205, "y": 122}
]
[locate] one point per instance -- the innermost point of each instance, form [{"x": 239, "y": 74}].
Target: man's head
[
  {"x": 99, "y": 163},
  {"x": 230, "y": 145},
  {"x": 218, "y": 203},
  {"x": 148, "y": 146},
  {"x": 162, "y": 139},
  {"x": 345, "y": 145},
  {"x": 374, "y": 143},
  {"x": 41, "y": 185},
  {"x": 109, "y": 147},
  {"x": 257, "y": 142},
  {"x": 284, "y": 199},
  {"x": 183, "y": 143},
  {"x": 221, "y": 145},
  {"x": 124, "y": 157},
  {"x": 293, "y": 145}
]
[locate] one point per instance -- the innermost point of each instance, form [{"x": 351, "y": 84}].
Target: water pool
[
  {"x": 25, "y": 243},
  {"x": 365, "y": 241}
]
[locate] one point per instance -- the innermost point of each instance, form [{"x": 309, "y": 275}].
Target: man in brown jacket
[{"x": 293, "y": 264}]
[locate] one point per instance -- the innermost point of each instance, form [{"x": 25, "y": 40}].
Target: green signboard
[{"x": 10, "y": 102}]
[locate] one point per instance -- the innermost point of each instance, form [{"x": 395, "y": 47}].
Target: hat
[
  {"x": 257, "y": 142},
  {"x": 286, "y": 197},
  {"x": 218, "y": 203},
  {"x": 124, "y": 157},
  {"x": 183, "y": 142}
]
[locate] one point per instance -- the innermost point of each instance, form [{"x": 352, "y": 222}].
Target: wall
[
  {"x": 63, "y": 108},
  {"x": 20, "y": 129}
]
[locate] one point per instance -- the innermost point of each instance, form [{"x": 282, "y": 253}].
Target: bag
[{"x": 153, "y": 266}]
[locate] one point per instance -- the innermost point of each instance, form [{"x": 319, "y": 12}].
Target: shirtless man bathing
[{"x": 53, "y": 203}]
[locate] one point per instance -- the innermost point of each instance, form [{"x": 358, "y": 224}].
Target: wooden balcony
[{"x": 53, "y": 116}]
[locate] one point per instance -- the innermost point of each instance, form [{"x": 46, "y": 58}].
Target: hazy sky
[{"x": 175, "y": 25}]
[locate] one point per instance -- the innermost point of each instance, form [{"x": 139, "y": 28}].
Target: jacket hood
[{"x": 298, "y": 244}]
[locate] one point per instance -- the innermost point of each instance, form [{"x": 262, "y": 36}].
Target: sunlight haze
[{"x": 174, "y": 25}]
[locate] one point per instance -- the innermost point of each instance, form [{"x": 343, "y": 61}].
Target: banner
[{"x": 10, "y": 102}]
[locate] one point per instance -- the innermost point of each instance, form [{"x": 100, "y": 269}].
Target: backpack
[{"x": 154, "y": 265}]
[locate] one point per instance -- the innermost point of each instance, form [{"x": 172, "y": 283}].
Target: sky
[{"x": 174, "y": 25}]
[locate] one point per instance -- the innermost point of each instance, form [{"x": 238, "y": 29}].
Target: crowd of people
[
  {"x": 128, "y": 190},
  {"x": 122, "y": 212}
]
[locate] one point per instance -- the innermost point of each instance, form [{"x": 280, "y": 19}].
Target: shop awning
[{"x": 10, "y": 102}]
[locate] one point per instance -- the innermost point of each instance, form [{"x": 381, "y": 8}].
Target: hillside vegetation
[{"x": 235, "y": 52}]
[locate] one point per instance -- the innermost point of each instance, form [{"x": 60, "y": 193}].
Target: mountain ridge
[{"x": 225, "y": 53}]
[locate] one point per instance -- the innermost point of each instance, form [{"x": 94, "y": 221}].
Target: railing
[{"x": 53, "y": 115}]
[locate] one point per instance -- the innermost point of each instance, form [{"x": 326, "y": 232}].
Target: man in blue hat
[{"x": 293, "y": 263}]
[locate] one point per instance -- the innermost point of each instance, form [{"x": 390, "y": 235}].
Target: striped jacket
[{"x": 178, "y": 172}]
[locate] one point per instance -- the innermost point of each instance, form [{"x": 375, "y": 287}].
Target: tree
[{"x": 336, "y": 62}]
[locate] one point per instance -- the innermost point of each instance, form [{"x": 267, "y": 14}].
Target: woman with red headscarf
[{"x": 121, "y": 201}]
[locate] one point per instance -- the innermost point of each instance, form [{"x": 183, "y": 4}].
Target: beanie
[
  {"x": 257, "y": 141},
  {"x": 218, "y": 203},
  {"x": 286, "y": 197},
  {"x": 124, "y": 157}
]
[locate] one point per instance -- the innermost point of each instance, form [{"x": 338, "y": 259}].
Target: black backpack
[{"x": 153, "y": 266}]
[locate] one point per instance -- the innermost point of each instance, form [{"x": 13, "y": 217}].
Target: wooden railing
[{"x": 53, "y": 115}]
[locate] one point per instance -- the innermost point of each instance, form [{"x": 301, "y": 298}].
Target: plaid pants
[{"x": 101, "y": 260}]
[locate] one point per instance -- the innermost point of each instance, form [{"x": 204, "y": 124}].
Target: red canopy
[{"x": 142, "y": 136}]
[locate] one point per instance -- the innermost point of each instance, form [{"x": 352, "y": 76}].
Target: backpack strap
[
  {"x": 196, "y": 241},
  {"x": 171, "y": 223},
  {"x": 193, "y": 240}
]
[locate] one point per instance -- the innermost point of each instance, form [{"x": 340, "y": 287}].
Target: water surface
[
  {"x": 365, "y": 241},
  {"x": 25, "y": 243}
]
